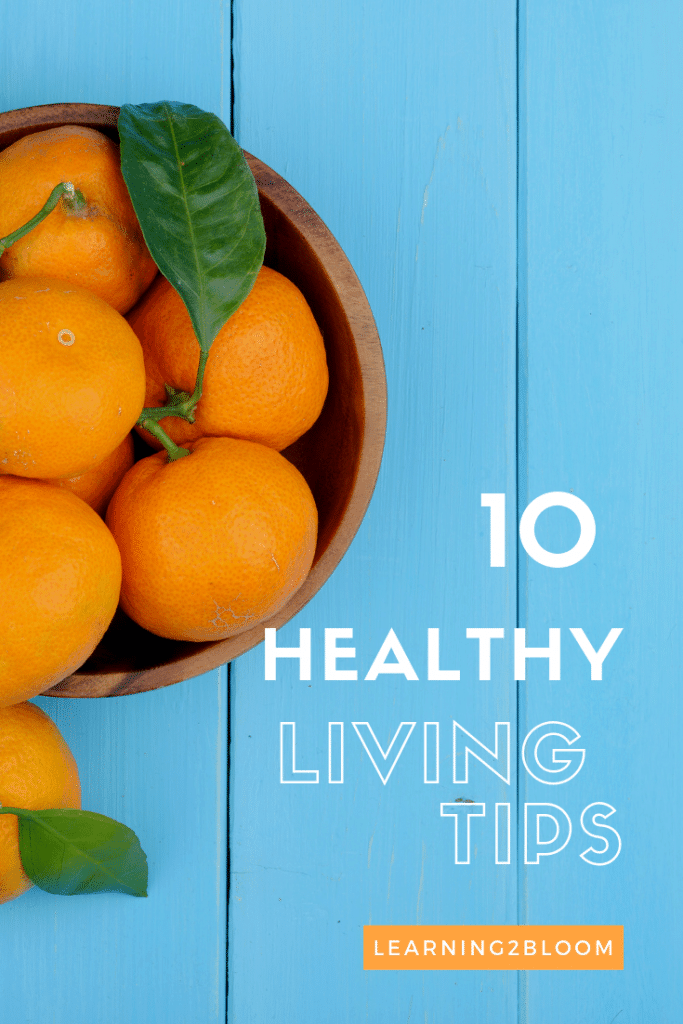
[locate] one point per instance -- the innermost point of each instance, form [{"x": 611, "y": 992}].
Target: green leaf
[
  {"x": 197, "y": 204},
  {"x": 70, "y": 852}
]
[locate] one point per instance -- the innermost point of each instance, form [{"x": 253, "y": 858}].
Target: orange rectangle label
[{"x": 522, "y": 947}]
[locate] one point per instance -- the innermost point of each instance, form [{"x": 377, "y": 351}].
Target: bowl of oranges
[{"x": 166, "y": 501}]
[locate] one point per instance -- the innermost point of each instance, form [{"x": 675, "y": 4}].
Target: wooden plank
[
  {"x": 603, "y": 226},
  {"x": 155, "y": 761},
  {"x": 116, "y": 53},
  {"x": 399, "y": 129}
]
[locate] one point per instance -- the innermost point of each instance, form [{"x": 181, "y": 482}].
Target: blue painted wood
[
  {"x": 138, "y": 52},
  {"x": 602, "y": 339},
  {"x": 155, "y": 761},
  {"x": 400, "y": 131},
  {"x": 398, "y": 125}
]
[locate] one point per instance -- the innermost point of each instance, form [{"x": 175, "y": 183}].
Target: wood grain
[
  {"x": 156, "y": 761},
  {"x": 401, "y": 133},
  {"x": 601, "y": 341},
  {"x": 531, "y": 329}
]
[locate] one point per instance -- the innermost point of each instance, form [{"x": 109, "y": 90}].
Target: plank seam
[
  {"x": 232, "y": 68},
  {"x": 521, "y": 450}
]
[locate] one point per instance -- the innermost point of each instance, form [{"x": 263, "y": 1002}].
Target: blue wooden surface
[
  {"x": 524, "y": 274},
  {"x": 401, "y": 134},
  {"x": 605, "y": 365},
  {"x": 155, "y": 761}
]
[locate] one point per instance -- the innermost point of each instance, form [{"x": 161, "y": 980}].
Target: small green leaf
[
  {"x": 197, "y": 204},
  {"x": 70, "y": 852}
]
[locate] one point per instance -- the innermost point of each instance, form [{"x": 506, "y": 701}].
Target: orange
[
  {"x": 96, "y": 486},
  {"x": 214, "y": 542},
  {"x": 99, "y": 247},
  {"x": 266, "y": 376},
  {"x": 60, "y": 576},
  {"x": 72, "y": 378},
  {"x": 37, "y": 771}
]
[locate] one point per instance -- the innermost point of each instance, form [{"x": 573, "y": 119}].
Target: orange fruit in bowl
[
  {"x": 72, "y": 378},
  {"x": 37, "y": 771},
  {"x": 60, "y": 576},
  {"x": 96, "y": 486},
  {"x": 99, "y": 247},
  {"x": 266, "y": 376},
  {"x": 214, "y": 542}
]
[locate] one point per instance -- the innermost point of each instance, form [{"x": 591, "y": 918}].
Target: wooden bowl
[{"x": 339, "y": 456}]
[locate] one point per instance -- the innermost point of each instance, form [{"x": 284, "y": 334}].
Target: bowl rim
[{"x": 353, "y": 301}]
